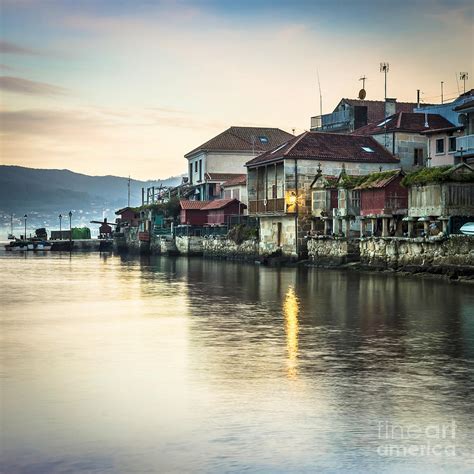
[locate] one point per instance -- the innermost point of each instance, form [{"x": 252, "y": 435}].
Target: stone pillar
[
  {"x": 410, "y": 221},
  {"x": 347, "y": 227},
  {"x": 362, "y": 226},
  {"x": 385, "y": 226},
  {"x": 326, "y": 225},
  {"x": 444, "y": 221},
  {"x": 374, "y": 225}
]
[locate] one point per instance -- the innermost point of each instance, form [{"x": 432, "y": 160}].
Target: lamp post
[
  {"x": 60, "y": 227},
  {"x": 25, "y": 217},
  {"x": 70, "y": 226}
]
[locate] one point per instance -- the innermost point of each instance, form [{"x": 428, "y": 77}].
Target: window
[
  {"x": 200, "y": 170},
  {"x": 356, "y": 199},
  {"x": 195, "y": 166},
  {"x": 452, "y": 144},
  {"x": 263, "y": 140},
  {"x": 418, "y": 156},
  {"x": 319, "y": 199},
  {"x": 367, "y": 149},
  {"x": 440, "y": 145}
]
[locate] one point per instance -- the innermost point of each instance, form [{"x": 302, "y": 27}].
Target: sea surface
[{"x": 133, "y": 365}]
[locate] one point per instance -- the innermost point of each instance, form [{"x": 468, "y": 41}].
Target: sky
[{"x": 127, "y": 87}]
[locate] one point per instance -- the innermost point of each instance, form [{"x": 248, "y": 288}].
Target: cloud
[
  {"x": 19, "y": 85},
  {"x": 6, "y": 47}
]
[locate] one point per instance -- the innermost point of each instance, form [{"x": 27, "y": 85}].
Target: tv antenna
[
  {"x": 362, "y": 92},
  {"x": 464, "y": 76},
  {"x": 384, "y": 67},
  {"x": 320, "y": 95},
  {"x": 128, "y": 185}
]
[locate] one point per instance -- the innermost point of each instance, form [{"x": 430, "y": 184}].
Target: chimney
[{"x": 390, "y": 106}]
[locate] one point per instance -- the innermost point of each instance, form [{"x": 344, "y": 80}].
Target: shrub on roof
[{"x": 436, "y": 174}]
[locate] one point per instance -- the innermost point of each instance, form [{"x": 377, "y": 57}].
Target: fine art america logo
[{"x": 434, "y": 439}]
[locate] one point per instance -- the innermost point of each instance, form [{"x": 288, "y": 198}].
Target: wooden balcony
[{"x": 267, "y": 207}]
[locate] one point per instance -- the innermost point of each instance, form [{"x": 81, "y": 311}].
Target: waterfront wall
[
  {"x": 455, "y": 250},
  {"x": 189, "y": 245},
  {"x": 228, "y": 249},
  {"x": 328, "y": 251},
  {"x": 434, "y": 255}
]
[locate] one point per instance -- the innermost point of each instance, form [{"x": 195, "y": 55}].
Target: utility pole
[
  {"x": 442, "y": 96},
  {"x": 384, "y": 67},
  {"x": 128, "y": 190},
  {"x": 418, "y": 98}
]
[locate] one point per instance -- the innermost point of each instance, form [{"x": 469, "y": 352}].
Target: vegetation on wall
[
  {"x": 436, "y": 174},
  {"x": 170, "y": 208},
  {"x": 242, "y": 232}
]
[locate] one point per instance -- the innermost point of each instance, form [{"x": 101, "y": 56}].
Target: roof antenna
[
  {"x": 320, "y": 95},
  {"x": 457, "y": 82},
  {"x": 464, "y": 76},
  {"x": 362, "y": 92}
]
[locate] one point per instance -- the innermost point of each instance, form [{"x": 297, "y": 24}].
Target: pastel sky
[{"x": 129, "y": 86}]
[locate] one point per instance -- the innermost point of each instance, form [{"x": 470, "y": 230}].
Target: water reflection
[
  {"x": 290, "y": 310},
  {"x": 172, "y": 365}
]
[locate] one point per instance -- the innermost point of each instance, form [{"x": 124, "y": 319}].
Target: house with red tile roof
[
  {"x": 279, "y": 180},
  {"x": 351, "y": 114},
  {"x": 215, "y": 212},
  {"x": 223, "y": 157},
  {"x": 405, "y": 134}
]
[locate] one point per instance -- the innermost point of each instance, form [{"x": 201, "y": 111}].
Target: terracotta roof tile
[
  {"x": 405, "y": 122},
  {"x": 193, "y": 205},
  {"x": 376, "y": 108},
  {"x": 244, "y": 139},
  {"x": 328, "y": 147},
  {"x": 221, "y": 177},
  {"x": 239, "y": 180},
  {"x": 218, "y": 204}
]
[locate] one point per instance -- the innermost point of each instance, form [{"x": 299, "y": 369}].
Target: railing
[
  {"x": 328, "y": 121},
  {"x": 464, "y": 144},
  {"x": 266, "y": 206}
]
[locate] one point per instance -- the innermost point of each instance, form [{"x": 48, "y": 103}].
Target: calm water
[{"x": 111, "y": 364}]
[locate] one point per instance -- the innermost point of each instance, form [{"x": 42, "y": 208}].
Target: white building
[{"x": 223, "y": 157}]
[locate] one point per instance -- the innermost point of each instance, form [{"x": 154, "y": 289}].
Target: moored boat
[{"x": 468, "y": 228}]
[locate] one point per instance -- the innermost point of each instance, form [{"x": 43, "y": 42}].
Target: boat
[
  {"x": 25, "y": 245},
  {"x": 468, "y": 228}
]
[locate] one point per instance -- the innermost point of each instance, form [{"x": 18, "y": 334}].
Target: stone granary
[{"x": 442, "y": 194}]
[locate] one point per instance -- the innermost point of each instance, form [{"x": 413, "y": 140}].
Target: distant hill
[{"x": 24, "y": 190}]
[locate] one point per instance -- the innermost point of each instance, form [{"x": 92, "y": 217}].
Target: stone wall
[
  {"x": 228, "y": 249},
  {"x": 329, "y": 251},
  {"x": 397, "y": 253},
  {"x": 189, "y": 245}
]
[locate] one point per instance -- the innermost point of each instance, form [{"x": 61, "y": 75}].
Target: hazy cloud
[
  {"x": 19, "y": 85},
  {"x": 6, "y": 47}
]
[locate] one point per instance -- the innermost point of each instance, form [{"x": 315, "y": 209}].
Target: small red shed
[
  {"x": 130, "y": 215},
  {"x": 192, "y": 212},
  {"x": 219, "y": 209},
  {"x": 383, "y": 195}
]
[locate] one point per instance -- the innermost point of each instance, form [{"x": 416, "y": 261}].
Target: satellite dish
[
  {"x": 362, "y": 94},
  {"x": 462, "y": 118}
]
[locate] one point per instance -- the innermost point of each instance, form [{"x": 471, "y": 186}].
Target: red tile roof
[
  {"x": 239, "y": 180},
  {"x": 385, "y": 178},
  {"x": 241, "y": 139},
  {"x": 376, "y": 108},
  {"x": 221, "y": 177},
  {"x": 405, "y": 122},
  {"x": 193, "y": 205},
  {"x": 328, "y": 147},
  {"x": 218, "y": 204}
]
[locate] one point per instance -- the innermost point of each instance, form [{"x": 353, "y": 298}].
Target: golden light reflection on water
[{"x": 291, "y": 310}]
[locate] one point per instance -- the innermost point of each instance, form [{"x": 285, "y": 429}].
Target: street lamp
[
  {"x": 60, "y": 227},
  {"x": 25, "y": 217},
  {"x": 70, "y": 226}
]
